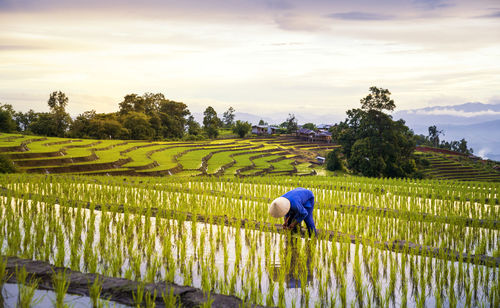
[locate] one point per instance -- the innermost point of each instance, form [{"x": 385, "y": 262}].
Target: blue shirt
[{"x": 301, "y": 200}]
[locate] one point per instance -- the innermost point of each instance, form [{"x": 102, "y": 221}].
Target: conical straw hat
[{"x": 279, "y": 207}]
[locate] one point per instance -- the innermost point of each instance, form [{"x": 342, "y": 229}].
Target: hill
[
  {"x": 478, "y": 123},
  {"x": 232, "y": 157}
]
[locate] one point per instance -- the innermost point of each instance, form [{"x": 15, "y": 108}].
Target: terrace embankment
[{"x": 115, "y": 289}]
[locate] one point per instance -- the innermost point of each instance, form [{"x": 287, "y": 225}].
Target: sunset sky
[{"x": 263, "y": 57}]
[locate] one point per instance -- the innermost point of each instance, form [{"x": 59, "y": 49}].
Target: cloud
[
  {"x": 483, "y": 153},
  {"x": 454, "y": 112},
  {"x": 360, "y": 16},
  {"x": 431, "y": 4},
  {"x": 12, "y": 47},
  {"x": 491, "y": 15}
]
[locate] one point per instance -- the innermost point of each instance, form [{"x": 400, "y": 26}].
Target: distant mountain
[
  {"x": 468, "y": 113},
  {"x": 478, "y": 123}
]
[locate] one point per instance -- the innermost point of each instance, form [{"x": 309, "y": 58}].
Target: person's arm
[
  {"x": 292, "y": 225},
  {"x": 285, "y": 224},
  {"x": 297, "y": 218}
]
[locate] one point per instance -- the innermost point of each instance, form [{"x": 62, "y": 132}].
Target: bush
[
  {"x": 333, "y": 161},
  {"x": 241, "y": 128},
  {"x": 6, "y": 165},
  {"x": 193, "y": 137}
]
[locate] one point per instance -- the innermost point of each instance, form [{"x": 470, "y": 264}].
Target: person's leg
[{"x": 309, "y": 220}]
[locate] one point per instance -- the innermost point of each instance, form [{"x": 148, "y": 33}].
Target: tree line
[
  {"x": 150, "y": 116},
  {"x": 432, "y": 140}
]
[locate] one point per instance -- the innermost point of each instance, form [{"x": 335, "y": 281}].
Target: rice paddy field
[
  {"x": 161, "y": 224},
  {"x": 228, "y": 157},
  {"x": 138, "y": 241}
]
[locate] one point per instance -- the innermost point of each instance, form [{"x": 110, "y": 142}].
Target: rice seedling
[
  {"x": 95, "y": 292},
  {"x": 61, "y": 285},
  {"x": 190, "y": 231},
  {"x": 27, "y": 288}
]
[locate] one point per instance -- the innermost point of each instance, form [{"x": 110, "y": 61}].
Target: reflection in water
[{"x": 293, "y": 278}]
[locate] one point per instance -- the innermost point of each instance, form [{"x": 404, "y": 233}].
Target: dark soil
[{"x": 119, "y": 290}]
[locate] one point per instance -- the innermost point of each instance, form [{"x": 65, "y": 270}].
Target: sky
[{"x": 265, "y": 57}]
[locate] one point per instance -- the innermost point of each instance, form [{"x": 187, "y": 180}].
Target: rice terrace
[
  {"x": 186, "y": 223},
  {"x": 249, "y": 153}
]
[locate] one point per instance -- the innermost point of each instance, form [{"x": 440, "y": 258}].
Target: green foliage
[
  {"x": 434, "y": 135},
  {"x": 378, "y": 99},
  {"x": 373, "y": 143},
  {"x": 24, "y": 119},
  {"x": 310, "y": 126},
  {"x": 333, "y": 161},
  {"x": 57, "y": 103},
  {"x": 290, "y": 125},
  {"x": 165, "y": 118},
  {"x": 7, "y": 122},
  {"x": 138, "y": 125},
  {"x": 98, "y": 126},
  {"x": 6, "y": 165},
  {"x": 433, "y": 140},
  {"x": 241, "y": 128},
  {"x": 54, "y": 123},
  {"x": 211, "y": 122},
  {"x": 228, "y": 117},
  {"x": 193, "y": 127}
]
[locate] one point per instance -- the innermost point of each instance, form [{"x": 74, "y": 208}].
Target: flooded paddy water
[
  {"x": 149, "y": 232},
  {"x": 45, "y": 298},
  {"x": 258, "y": 266}
]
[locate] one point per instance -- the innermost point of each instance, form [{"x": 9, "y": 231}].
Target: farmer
[{"x": 297, "y": 206}]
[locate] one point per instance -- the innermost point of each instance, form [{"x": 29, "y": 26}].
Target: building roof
[{"x": 306, "y": 131}]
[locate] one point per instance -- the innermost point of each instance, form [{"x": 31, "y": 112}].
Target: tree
[
  {"x": 57, "y": 103},
  {"x": 211, "y": 122},
  {"x": 290, "y": 124},
  {"x": 462, "y": 147},
  {"x": 434, "y": 135},
  {"x": 242, "y": 128},
  {"x": 44, "y": 125},
  {"x": 262, "y": 122},
  {"x": 310, "y": 126},
  {"x": 333, "y": 161},
  {"x": 100, "y": 126},
  {"x": 131, "y": 102},
  {"x": 378, "y": 99},
  {"x": 193, "y": 127},
  {"x": 167, "y": 118},
  {"x": 373, "y": 143},
  {"x": 6, "y": 165},
  {"x": 23, "y": 120},
  {"x": 7, "y": 122},
  {"x": 138, "y": 126},
  {"x": 228, "y": 117},
  {"x": 173, "y": 118}
]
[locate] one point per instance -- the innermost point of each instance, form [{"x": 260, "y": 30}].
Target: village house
[
  {"x": 264, "y": 129},
  {"x": 311, "y": 136},
  {"x": 324, "y": 127}
]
